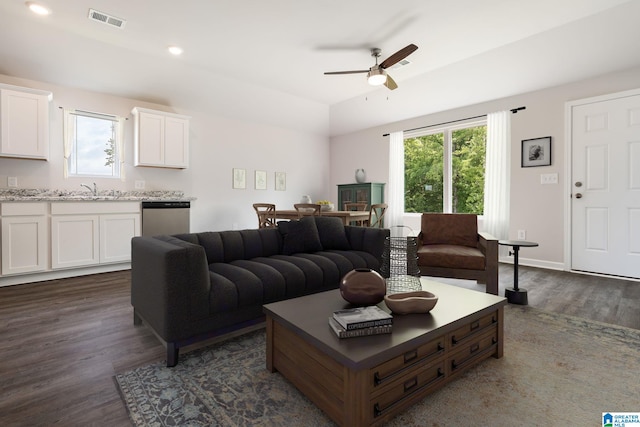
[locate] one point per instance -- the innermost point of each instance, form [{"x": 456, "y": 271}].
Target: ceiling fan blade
[
  {"x": 390, "y": 83},
  {"x": 398, "y": 56},
  {"x": 346, "y": 72}
]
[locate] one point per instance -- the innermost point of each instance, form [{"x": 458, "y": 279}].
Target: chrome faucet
[{"x": 94, "y": 190}]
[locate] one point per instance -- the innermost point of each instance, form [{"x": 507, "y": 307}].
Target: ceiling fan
[{"x": 377, "y": 75}]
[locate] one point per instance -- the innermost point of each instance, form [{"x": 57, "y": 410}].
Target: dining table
[{"x": 346, "y": 216}]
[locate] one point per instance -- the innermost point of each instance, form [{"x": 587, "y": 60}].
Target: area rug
[{"x": 556, "y": 370}]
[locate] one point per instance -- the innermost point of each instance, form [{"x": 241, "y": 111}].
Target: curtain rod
[{"x": 513, "y": 110}]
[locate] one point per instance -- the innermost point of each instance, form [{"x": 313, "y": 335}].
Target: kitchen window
[{"x": 93, "y": 144}]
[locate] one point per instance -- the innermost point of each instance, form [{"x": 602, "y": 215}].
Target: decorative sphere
[{"x": 363, "y": 286}]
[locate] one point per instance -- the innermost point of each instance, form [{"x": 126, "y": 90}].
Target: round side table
[{"x": 516, "y": 295}]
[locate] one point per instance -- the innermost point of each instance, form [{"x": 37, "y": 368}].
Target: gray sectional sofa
[{"x": 190, "y": 287}]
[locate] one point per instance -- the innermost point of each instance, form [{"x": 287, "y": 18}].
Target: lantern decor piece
[{"x": 363, "y": 286}]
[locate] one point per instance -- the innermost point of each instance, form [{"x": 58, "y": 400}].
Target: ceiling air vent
[
  {"x": 399, "y": 64},
  {"x": 105, "y": 18}
]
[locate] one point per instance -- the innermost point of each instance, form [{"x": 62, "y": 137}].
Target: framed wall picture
[
  {"x": 281, "y": 181},
  {"x": 536, "y": 152},
  {"x": 239, "y": 178},
  {"x": 261, "y": 180}
]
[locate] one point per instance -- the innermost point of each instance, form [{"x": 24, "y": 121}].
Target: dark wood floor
[{"x": 62, "y": 341}]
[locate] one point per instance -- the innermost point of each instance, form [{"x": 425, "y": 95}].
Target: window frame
[
  {"x": 447, "y": 157},
  {"x": 71, "y": 143}
]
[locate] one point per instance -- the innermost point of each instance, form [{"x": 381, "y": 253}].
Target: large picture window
[
  {"x": 444, "y": 169},
  {"x": 93, "y": 144}
]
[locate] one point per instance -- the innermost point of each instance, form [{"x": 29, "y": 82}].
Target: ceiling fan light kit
[{"x": 376, "y": 75}]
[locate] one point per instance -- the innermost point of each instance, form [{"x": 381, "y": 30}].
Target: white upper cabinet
[
  {"x": 24, "y": 122},
  {"x": 161, "y": 139}
]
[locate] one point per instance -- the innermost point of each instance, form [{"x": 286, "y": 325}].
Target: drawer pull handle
[
  {"x": 410, "y": 355},
  {"x": 408, "y": 385},
  {"x": 475, "y": 325},
  {"x": 474, "y": 348},
  {"x": 377, "y": 410}
]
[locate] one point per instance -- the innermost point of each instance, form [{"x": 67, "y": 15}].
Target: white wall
[
  {"x": 218, "y": 144},
  {"x": 536, "y": 208}
]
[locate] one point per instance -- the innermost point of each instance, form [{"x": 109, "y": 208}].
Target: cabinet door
[
  {"x": 150, "y": 139},
  {"x": 74, "y": 240},
  {"x": 24, "y": 244},
  {"x": 176, "y": 142},
  {"x": 116, "y": 232},
  {"x": 24, "y": 120}
]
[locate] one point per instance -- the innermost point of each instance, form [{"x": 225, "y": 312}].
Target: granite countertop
[{"x": 40, "y": 195}]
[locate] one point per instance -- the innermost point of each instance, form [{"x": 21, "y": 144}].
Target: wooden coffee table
[{"x": 368, "y": 380}]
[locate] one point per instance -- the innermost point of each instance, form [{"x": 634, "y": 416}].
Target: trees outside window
[{"x": 444, "y": 170}]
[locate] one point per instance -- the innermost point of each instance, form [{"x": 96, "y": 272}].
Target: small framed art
[
  {"x": 536, "y": 152},
  {"x": 261, "y": 180},
  {"x": 281, "y": 181},
  {"x": 239, "y": 178}
]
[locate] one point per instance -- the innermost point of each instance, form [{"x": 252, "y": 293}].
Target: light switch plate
[
  {"x": 139, "y": 185},
  {"x": 549, "y": 178},
  {"x": 12, "y": 181}
]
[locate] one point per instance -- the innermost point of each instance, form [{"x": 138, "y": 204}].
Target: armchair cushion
[
  {"x": 451, "y": 256},
  {"x": 449, "y": 229}
]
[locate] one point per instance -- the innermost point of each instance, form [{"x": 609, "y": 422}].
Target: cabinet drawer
[
  {"x": 473, "y": 351},
  {"x": 14, "y": 209},
  {"x": 401, "y": 391},
  {"x": 468, "y": 331},
  {"x": 397, "y": 366},
  {"x": 89, "y": 208}
]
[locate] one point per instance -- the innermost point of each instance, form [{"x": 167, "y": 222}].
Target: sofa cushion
[
  {"x": 449, "y": 229},
  {"x": 332, "y": 233},
  {"x": 299, "y": 236}
]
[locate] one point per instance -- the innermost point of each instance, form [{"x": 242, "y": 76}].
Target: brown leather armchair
[{"x": 449, "y": 245}]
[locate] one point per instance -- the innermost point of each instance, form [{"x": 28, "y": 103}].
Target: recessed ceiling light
[
  {"x": 175, "y": 50},
  {"x": 38, "y": 8}
]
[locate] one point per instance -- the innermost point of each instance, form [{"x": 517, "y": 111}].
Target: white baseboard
[
  {"x": 529, "y": 262},
  {"x": 19, "y": 279}
]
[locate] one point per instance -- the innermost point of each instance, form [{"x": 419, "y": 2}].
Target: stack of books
[{"x": 360, "y": 321}]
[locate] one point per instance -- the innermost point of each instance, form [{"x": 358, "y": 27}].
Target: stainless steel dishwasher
[{"x": 165, "y": 218}]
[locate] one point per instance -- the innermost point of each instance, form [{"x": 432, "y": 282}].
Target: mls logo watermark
[{"x": 621, "y": 419}]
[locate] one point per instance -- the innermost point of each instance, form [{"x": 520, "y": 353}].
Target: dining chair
[
  {"x": 376, "y": 214},
  {"x": 308, "y": 207},
  {"x": 266, "y": 214},
  {"x": 356, "y": 206}
]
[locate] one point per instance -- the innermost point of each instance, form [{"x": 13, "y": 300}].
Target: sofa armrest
[
  {"x": 169, "y": 284},
  {"x": 367, "y": 239}
]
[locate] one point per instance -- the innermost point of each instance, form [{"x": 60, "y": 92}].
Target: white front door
[{"x": 605, "y": 185}]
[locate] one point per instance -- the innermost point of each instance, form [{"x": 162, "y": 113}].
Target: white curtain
[
  {"x": 395, "y": 211},
  {"x": 68, "y": 132},
  {"x": 120, "y": 148},
  {"x": 497, "y": 175}
]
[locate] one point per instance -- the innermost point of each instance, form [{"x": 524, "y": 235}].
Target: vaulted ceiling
[{"x": 469, "y": 51}]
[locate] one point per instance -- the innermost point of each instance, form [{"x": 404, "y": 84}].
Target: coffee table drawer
[
  {"x": 477, "y": 327},
  {"x": 405, "y": 390},
  {"x": 399, "y": 365},
  {"x": 471, "y": 352}
]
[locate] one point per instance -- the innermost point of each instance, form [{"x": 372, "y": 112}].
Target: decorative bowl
[
  {"x": 411, "y": 302},
  {"x": 363, "y": 286},
  {"x": 327, "y": 207}
]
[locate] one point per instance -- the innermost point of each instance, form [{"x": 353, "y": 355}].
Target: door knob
[
  {"x": 578, "y": 196},
  {"x": 578, "y": 184}
]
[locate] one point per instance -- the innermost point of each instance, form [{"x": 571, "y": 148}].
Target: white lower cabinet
[
  {"x": 116, "y": 231},
  {"x": 87, "y": 233},
  {"x": 25, "y": 243},
  {"x": 74, "y": 241}
]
